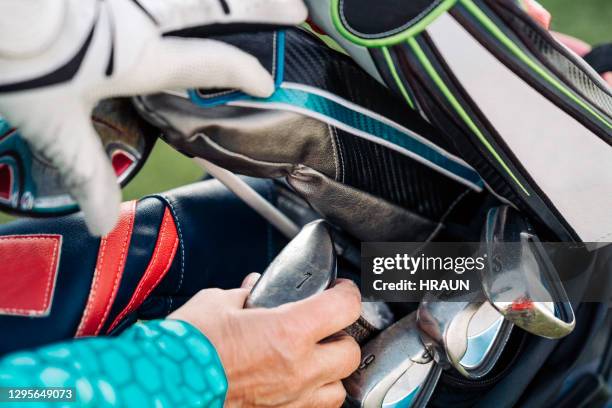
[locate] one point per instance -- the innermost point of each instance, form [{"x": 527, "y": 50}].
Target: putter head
[
  {"x": 305, "y": 267},
  {"x": 31, "y": 186},
  {"x": 395, "y": 369},
  {"x": 520, "y": 281},
  {"x": 463, "y": 331}
]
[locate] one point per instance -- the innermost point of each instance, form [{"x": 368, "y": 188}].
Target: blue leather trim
[
  {"x": 378, "y": 129},
  {"x": 222, "y": 241},
  {"x": 308, "y": 97}
]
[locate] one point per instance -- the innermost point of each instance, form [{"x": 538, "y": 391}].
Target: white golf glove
[{"x": 59, "y": 58}]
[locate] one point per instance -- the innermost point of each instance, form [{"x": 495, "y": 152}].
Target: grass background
[{"x": 590, "y": 20}]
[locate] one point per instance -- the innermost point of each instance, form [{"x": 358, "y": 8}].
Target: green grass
[
  {"x": 165, "y": 169},
  {"x": 589, "y": 20}
]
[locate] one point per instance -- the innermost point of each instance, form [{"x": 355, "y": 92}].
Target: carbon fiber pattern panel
[
  {"x": 395, "y": 177},
  {"x": 565, "y": 66},
  {"x": 308, "y": 61}
]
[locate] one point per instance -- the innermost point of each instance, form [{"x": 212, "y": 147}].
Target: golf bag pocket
[
  {"x": 59, "y": 282},
  {"x": 337, "y": 136}
]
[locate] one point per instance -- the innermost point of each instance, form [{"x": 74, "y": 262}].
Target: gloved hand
[{"x": 57, "y": 59}]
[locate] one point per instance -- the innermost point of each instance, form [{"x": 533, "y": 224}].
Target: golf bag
[
  {"x": 518, "y": 105},
  {"x": 331, "y": 142},
  {"x": 58, "y": 282},
  {"x": 344, "y": 145}
]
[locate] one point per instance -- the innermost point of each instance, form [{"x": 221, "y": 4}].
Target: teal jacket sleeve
[{"x": 160, "y": 363}]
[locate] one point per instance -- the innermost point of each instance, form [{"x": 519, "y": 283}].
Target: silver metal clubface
[
  {"x": 487, "y": 335},
  {"x": 396, "y": 370},
  {"x": 520, "y": 281},
  {"x": 305, "y": 267},
  {"x": 462, "y": 331}
]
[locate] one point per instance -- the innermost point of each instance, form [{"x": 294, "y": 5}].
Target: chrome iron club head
[
  {"x": 520, "y": 280},
  {"x": 395, "y": 369},
  {"x": 305, "y": 267},
  {"x": 488, "y": 333},
  {"x": 462, "y": 331}
]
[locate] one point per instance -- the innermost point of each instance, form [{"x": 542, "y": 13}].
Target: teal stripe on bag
[{"x": 356, "y": 120}]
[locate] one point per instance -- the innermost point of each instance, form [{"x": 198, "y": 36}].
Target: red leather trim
[
  {"x": 122, "y": 161},
  {"x": 28, "y": 271},
  {"x": 6, "y": 182},
  {"x": 161, "y": 260},
  {"x": 107, "y": 275}
]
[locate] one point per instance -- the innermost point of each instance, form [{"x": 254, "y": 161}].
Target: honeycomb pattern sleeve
[{"x": 159, "y": 363}]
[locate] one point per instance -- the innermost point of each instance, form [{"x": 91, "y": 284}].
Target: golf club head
[
  {"x": 31, "y": 186},
  {"x": 396, "y": 369},
  {"x": 305, "y": 267},
  {"x": 463, "y": 331},
  {"x": 520, "y": 281}
]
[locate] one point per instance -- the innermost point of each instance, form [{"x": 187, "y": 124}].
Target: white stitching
[
  {"x": 336, "y": 163},
  {"x": 130, "y": 306},
  {"x": 94, "y": 287},
  {"x": 340, "y": 154},
  {"x": 274, "y": 55},
  {"x": 122, "y": 259},
  {"x": 178, "y": 226},
  {"x": 231, "y": 91}
]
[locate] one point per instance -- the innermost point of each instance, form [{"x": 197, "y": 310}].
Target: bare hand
[{"x": 282, "y": 356}]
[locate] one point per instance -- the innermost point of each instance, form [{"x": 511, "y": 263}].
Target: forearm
[{"x": 163, "y": 361}]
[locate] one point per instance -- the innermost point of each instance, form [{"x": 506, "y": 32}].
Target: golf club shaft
[{"x": 245, "y": 192}]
